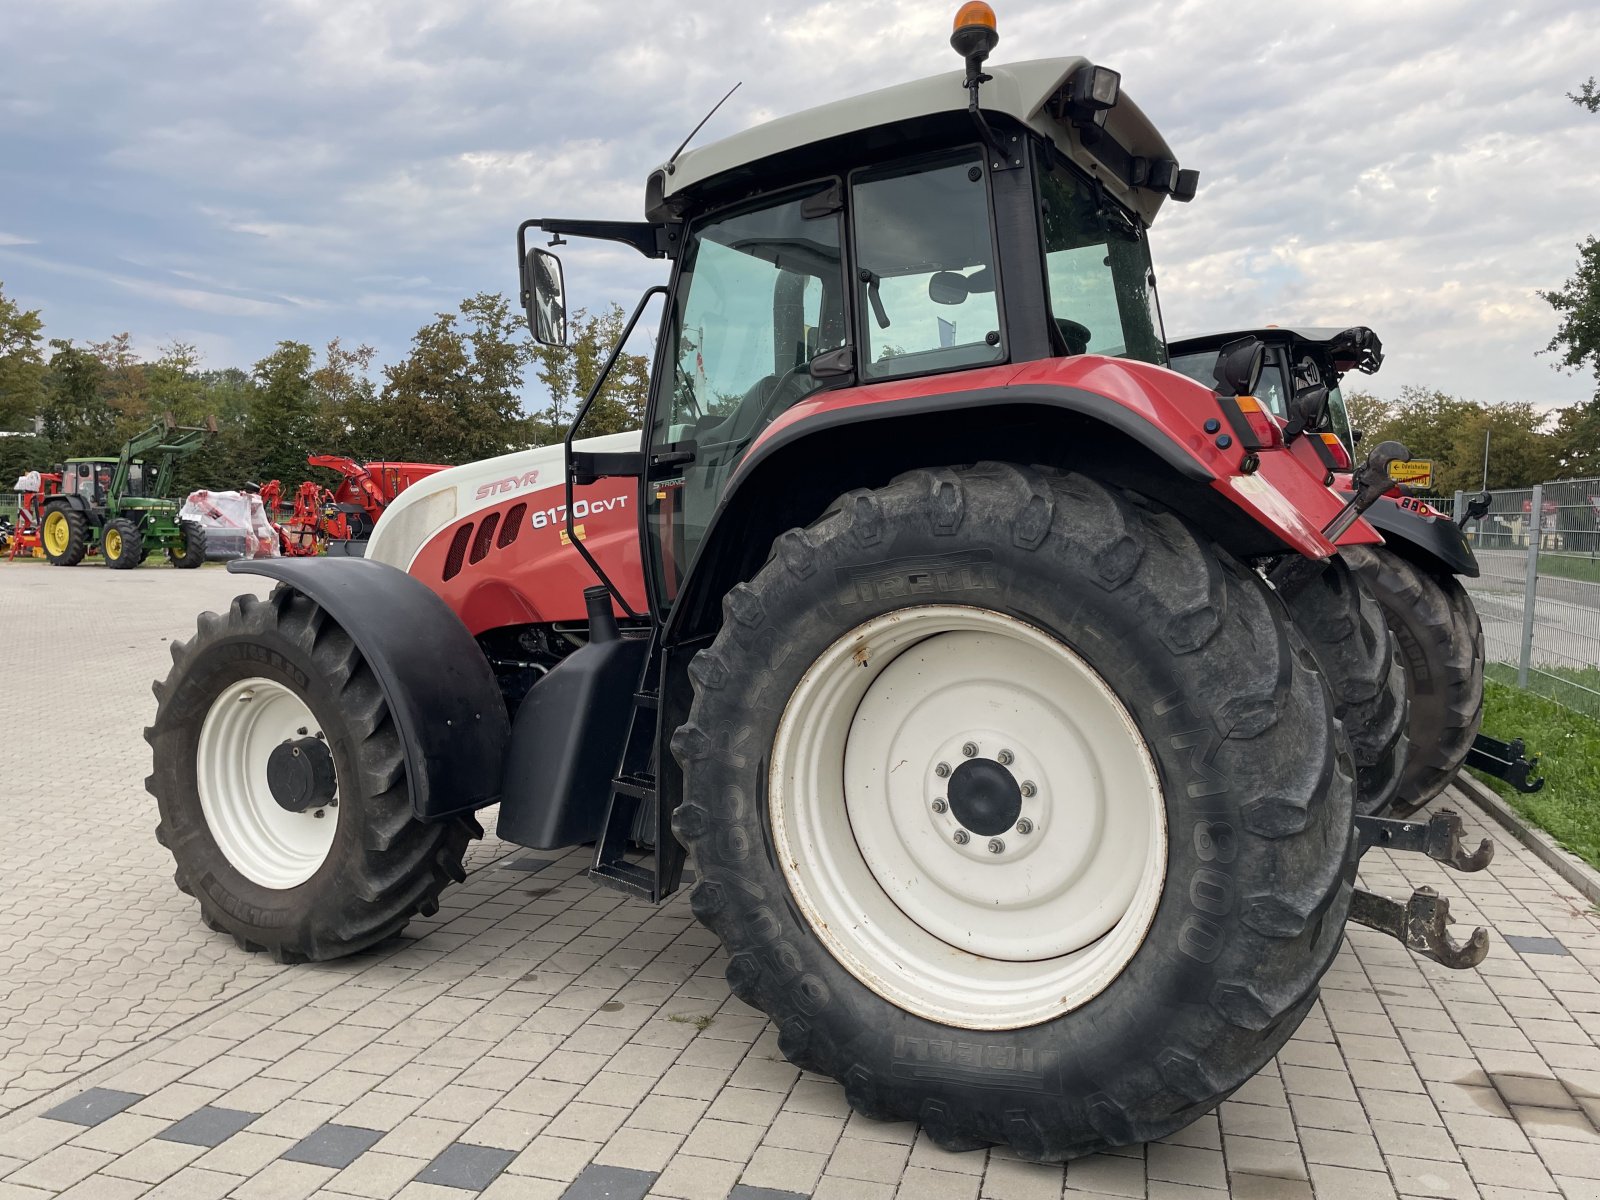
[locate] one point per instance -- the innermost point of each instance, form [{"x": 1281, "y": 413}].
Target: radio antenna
[{"x": 701, "y": 126}]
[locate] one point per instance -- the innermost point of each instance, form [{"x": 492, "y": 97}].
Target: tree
[
  {"x": 1449, "y": 431},
  {"x": 569, "y": 372},
  {"x": 455, "y": 396},
  {"x": 22, "y": 367},
  {"x": 346, "y": 401},
  {"x": 283, "y": 413},
  {"x": 1576, "y": 439},
  {"x": 1577, "y": 338},
  {"x": 127, "y": 390},
  {"x": 76, "y": 418}
]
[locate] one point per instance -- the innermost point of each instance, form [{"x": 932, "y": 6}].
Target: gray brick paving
[{"x": 540, "y": 1036}]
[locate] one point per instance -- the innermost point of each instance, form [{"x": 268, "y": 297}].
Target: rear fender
[
  {"x": 440, "y": 689},
  {"x": 1432, "y": 541},
  {"x": 1130, "y": 423}
]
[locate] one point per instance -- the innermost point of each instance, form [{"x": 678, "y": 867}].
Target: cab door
[{"x": 759, "y": 298}]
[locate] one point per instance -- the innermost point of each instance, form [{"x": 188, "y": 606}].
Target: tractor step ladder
[{"x": 637, "y": 852}]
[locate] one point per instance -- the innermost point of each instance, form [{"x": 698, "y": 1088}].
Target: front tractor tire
[
  {"x": 190, "y": 552},
  {"x": 1441, "y": 643},
  {"x": 65, "y": 536},
  {"x": 121, "y": 544},
  {"x": 282, "y": 786},
  {"x": 1020, "y": 809}
]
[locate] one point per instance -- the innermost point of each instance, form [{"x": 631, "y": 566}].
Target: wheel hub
[
  {"x": 984, "y": 797},
  {"x": 300, "y": 775},
  {"x": 967, "y": 816},
  {"x": 270, "y": 800}
]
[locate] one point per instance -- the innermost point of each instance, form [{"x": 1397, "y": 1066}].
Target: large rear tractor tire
[
  {"x": 1019, "y": 808},
  {"x": 1360, "y": 658},
  {"x": 121, "y": 544},
  {"x": 192, "y": 552},
  {"x": 282, "y": 786},
  {"x": 65, "y": 536},
  {"x": 1441, "y": 644}
]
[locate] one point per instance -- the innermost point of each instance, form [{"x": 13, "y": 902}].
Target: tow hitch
[{"x": 1422, "y": 923}]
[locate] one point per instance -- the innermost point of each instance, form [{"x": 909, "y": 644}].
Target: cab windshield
[{"x": 1097, "y": 261}]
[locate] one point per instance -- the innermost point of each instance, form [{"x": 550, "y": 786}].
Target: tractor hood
[{"x": 1030, "y": 92}]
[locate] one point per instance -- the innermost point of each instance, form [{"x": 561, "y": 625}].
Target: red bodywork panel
[
  {"x": 536, "y": 576},
  {"x": 1283, "y": 494}
]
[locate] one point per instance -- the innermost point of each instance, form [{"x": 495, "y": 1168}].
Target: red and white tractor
[{"x": 1000, "y": 681}]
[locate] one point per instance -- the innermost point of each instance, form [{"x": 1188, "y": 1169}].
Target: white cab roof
[{"x": 1020, "y": 90}]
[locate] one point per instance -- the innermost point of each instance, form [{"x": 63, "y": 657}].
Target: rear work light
[{"x": 1253, "y": 425}]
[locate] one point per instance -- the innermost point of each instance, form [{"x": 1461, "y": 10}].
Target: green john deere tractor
[{"x": 120, "y": 506}]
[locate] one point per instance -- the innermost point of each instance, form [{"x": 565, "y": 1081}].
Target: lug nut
[
  {"x": 1027, "y": 787},
  {"x": 1006, "y": 758},
  {"x": 942, "y": 770},
  {"x": 996, "y": 846},
  {"x": 962, "y": 837},
  {"x": 940, "y": 806},
  {"x": 969, "y": 749},
  {"x": 1024, "y": 826},
  {"x": 319, "y": 814}
]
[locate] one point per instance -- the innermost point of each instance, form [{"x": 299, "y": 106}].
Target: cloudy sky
[{"x": 232, "y": 174}]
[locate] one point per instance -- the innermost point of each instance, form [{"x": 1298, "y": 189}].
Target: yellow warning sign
[{"x": 1418, "y": 472}]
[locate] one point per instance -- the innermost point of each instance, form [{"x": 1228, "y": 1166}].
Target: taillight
[
  {"x": 1253, "y": 425},
  {"x": 1336, "y": 452}
]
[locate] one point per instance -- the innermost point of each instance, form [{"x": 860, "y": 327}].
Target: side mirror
[
  {"x": 947, "y": 287},
  {"x": 544, "y": 297},
  {"x": 1308, "y": 407},
  {"x": 1239, "y": 365}
]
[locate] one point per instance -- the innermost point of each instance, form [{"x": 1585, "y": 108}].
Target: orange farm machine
[{"x": 346, "y": 513}]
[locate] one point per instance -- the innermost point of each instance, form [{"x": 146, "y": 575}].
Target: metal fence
[{"x": 1539, "y": 592}]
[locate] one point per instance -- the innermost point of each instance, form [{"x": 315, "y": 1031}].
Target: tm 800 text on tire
[
  {"x": 1021, "y": 810},
  {"x": 282, "y": 786}
]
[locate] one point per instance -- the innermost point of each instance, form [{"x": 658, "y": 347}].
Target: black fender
[
  {"x": 439, "y": 687},
  {"x": 1436, "y": 543},
  {"x": 70, "y": 500}
]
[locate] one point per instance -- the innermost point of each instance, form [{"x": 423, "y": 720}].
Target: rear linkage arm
[{"x": 1422, "y": 923}]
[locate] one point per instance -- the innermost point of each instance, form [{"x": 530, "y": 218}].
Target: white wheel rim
[
  {"x": 966, "y": 934},
  {"x": 265, "y": 842}
]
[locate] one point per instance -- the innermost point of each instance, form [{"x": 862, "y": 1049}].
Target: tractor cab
[
  {"x": 92, "y": 479},
  {"x": 925, "y": 238}
]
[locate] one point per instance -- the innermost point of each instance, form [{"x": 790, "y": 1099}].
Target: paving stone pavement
[{"x": 541, "y": 1038}]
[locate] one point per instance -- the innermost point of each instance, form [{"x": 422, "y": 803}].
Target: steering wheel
[{"x": 1075, "y": 335}]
